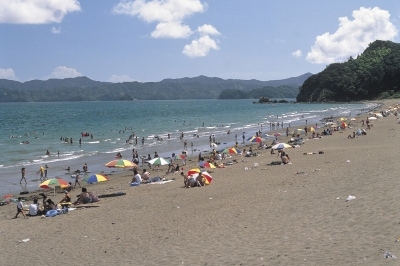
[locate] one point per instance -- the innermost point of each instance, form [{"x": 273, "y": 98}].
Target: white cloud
[
  {"x": 200, "y": 47},
  {"x": 171, "y": 30},
  {"x": 120, "y": 78},
  {"x": 62, "y": 72},
  {"x": 169, "y": 14},
  {"x": 7, "y": 73},
  {"x": 297, "y": 54},
  {"x": 207, "y": 29},
  {"x": 36, "y": 11},
  {"x": 353, "y": 36},
  {"x": 56, "y": 30}
]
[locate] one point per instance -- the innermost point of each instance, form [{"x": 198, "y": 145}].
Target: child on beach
[{"x": 20, "y": 208}]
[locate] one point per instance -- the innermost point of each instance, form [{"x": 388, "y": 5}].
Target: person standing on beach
[
  {"x": 45, "y": 171},
  {"x": 41, "y": 172},
  {"x": 85, "y": 167},
  {"x": 23, "y": 175},
  {"x": 20, "y": 208},
  {"x": 185, "y": 145},
  {"x": 77, "y": 178},
  {"x": 143, "y": 141},
  {"x": 243, "y": 137},
  {"x": 191, "y": 146}
]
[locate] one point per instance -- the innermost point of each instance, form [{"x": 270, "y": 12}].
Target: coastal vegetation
[
  {"x": 202, "y": 87},
  {"x": 284, "y": 91},
  {"x": 374, "y": 74}
]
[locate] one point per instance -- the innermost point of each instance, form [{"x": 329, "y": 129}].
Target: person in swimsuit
[
  {"x": 83, "y": 198},
  {"x": 77, "y": 178},
  {"x": 23, "y": 175}
]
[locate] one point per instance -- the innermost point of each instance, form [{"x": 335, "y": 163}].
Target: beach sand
[{"x": 294, "y": 214}]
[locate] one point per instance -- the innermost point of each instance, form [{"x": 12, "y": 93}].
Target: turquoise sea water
[{"x": 44, "y": 124}]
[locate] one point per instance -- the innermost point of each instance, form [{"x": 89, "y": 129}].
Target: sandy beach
[{"x": 294, "y": 214}]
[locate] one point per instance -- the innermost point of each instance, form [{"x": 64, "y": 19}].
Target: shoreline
[
  {"x": 193, "y": 157},
  {"x": 290, "y": 214}
]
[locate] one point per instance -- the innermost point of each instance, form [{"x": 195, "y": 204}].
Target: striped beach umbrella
[
  {"x": 121, "y": 163},
  {"x": 52, "y": 183},
  {"x": 207, "y": 165},
  {"x": 159, "y": 161},
  {"x": 95, "y": 178}
]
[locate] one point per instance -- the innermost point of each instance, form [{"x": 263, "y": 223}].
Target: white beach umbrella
[{"x": 159, "y": 161}]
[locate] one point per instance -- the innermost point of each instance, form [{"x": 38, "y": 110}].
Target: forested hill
[
  {"x": 372, "y": 75},
  {"x": 85, "y": 89}
]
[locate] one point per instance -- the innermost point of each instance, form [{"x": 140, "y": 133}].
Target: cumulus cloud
[
  {"x": 200, "y": 47},
  {"x": 297, "y": 54},
  {"x": 56, "y": 30},
  {"x": 168, "y": 14},
  {"x": 120, "y": 78},
  {"x": 62, "y": 72},
  {"x": 7, "y": 73},
  {"x": 36, "y": 11},
  {"x": 207, "y": 29},
  {"x": 171, "y": 30},
  {"x": 353, "y": 36}
]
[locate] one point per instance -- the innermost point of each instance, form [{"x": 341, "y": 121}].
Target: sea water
[{"x": 46, "y": 125}]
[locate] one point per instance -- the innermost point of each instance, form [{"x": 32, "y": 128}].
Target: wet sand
[{"x": 294, "y": 214}]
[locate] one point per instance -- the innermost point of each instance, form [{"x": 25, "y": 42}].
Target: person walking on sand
[
  {"x": 77, "y": 178},
  {"x": 23, "y": 175},
  {"x": 20, "y": 208}
]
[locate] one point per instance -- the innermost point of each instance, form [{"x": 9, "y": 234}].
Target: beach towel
[{"x": 162, "y": 182}]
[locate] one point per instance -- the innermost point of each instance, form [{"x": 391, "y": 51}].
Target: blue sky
[{"x": 116, "y": 41}]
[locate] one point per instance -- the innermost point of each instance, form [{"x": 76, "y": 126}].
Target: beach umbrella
[
  {"x": 353, "y": 119},
  {"x": 342, "y": 119},
  {"x": 280, "y": 146},
  {"x": 329, "y": 123},
  {"x": 372, "y": 118},
  {"x": 208, "y": 178},
  {"x": 53, "y": 183},
  {"x": 159, "y": 161},
  {"x": 95, "y": 178},
  {"x": 277, "y": 134},
  {"x": 8, "y": 196},
  {"x": 256, "y": 139},
  {"x": 207, "y": 165},
  {"x": 231, "y": 150},
  {"x": 121, "y": 163},
  {"x": 312, "y": 129},
  {"x": 214, "y": 145},
  {"x": 193, "y": 171},
  {"x": 378, "y": 115},
  {"x": 182, "y": 156}
]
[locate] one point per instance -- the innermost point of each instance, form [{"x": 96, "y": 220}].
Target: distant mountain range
[{"x": 85, "y": 89}]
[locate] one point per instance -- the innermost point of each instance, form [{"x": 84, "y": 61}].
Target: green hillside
[{"x": 372, "y": 75}]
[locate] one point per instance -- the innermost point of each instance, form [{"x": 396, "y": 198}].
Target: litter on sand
[
  {"x": 388, "y": 255},
  {"x": 350, "y": 198}
]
